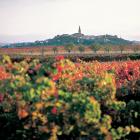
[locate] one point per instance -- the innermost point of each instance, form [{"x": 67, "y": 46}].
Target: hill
[
  {"x": 77, "y": 39},
  {"x": 86, "y": 40}
]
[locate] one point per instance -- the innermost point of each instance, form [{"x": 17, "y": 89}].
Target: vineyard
[
  {"x": 58, "y": 99},
  {"x": 51, "y": 50}
]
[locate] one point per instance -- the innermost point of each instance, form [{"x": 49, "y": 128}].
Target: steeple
[{"x": 79, "y": 30}]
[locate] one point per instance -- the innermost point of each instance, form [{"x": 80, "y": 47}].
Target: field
[
  {"x": 70, "y": 70},
  {"x": 61, "y": 50},
  {"x": 59, "y": 99},
  {"x": 86, "y": 53}
]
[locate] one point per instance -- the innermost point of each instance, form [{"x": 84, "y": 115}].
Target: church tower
[
  {"x": 78, "y": 34},
  {"x": 79, "y": 30}
]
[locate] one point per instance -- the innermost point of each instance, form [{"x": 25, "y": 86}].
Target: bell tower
[{"x": 79, "y": 30}]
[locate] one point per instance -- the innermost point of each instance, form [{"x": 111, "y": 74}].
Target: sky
[{"x": 30, "y": 20}]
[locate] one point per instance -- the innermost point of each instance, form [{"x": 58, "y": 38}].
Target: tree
[
  {"x": 69, "y": 47},
  {"x": 55, "y": 50},
  {"x": 81, "y": 48},
  {"x": 107, "y": 48},
  {"x": 136, "y": 48},
  {"x": 42, "y": 51},
  {"x": 95, "y": 47},
  {"x": 121, "y": 47}
]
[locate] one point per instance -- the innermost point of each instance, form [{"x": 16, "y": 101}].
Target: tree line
[{"x": 96, "y": 47}]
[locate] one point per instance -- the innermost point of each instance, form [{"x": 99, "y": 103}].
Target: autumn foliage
[{"x": 59, "y": 99}]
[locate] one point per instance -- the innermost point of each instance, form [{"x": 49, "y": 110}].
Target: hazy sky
[{"x": 28, "y": 20}]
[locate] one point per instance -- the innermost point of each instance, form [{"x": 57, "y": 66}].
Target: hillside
[
  {"x": 77, "y": 39},
  {"x": 87, "y": 40}
]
